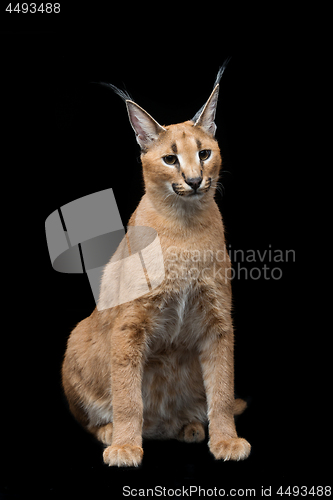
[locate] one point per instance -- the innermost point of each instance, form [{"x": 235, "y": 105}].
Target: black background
[{"x": 65, "y": 137}]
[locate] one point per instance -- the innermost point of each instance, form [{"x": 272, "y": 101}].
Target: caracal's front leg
[
  {"x": 218, "y": 372},
  {"x": 127, "y": 351}
]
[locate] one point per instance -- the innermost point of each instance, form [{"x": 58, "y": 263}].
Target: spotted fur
[{"x": 161, "y": 366}]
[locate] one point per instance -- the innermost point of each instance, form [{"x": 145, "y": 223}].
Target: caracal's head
[
  {"x": 184, "y": 161},
  {"x": 181, "y": 162}
]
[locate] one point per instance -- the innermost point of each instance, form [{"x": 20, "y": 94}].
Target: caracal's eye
[
  {"x": 204, "y": 154},
  {"x": 170, "y": 159}
]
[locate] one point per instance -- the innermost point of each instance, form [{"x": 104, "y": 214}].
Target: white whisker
[{"x": 218, "y": 186}]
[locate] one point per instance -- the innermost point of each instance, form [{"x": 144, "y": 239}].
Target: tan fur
[{"x": 161, "y": 366}]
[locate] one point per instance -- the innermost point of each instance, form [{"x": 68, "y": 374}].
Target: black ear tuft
[
  {"x": 217, "y": 81},
  {"x": 221, "y": 71},
  {"x": 122, "y": 93}
]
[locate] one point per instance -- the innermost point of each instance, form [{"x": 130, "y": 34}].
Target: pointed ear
[
  {"x": 145, "y": 127},
  {"x": 206, "y": 117}
]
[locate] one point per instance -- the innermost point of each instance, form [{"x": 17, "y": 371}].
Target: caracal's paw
[
  {"x": 123, "y": 456},
  {"x": 230, "y": 449}
]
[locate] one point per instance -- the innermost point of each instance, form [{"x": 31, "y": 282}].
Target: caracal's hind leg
[{"x": 103, "y": 433}]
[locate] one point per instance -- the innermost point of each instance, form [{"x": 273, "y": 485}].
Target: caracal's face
[{"x": 184, "y": 162}]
